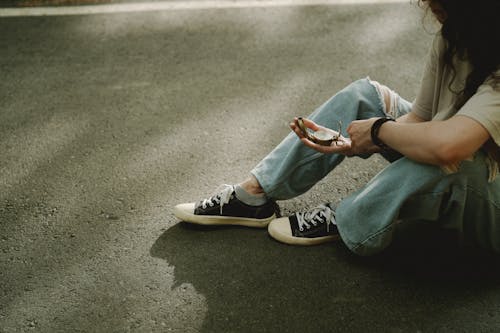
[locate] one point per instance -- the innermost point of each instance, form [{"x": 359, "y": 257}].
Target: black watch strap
[{"x": 376, "y": 128}]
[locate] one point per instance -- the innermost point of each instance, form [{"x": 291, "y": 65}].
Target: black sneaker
[
  {"x": 225, "y": 208},
  {"x": 314, "y": 227}
]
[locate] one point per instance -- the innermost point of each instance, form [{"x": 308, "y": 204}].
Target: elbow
[{"x": 450, "y": 154}]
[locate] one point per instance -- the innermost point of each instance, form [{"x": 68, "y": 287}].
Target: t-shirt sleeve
[
  {"x": 423, "y": 104},
  {"x": 484, "y": 107}
]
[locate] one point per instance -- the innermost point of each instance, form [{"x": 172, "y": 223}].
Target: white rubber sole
[
  {"x": 185, "y": 212},
  {"x": 280, "y": 230}
]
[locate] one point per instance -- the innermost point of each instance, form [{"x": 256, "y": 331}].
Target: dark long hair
[{"x": 472, "y": 32}]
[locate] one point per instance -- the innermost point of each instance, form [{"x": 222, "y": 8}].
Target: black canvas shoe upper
[
  {"x": 225, "y": 203},
  {"x": 318, "y": 222}
]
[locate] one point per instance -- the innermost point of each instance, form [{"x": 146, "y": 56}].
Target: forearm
[
  {"x": 412, "y": 140},
  {"x": 435, "y": 142},
  {"x": 410, "y": 117}
]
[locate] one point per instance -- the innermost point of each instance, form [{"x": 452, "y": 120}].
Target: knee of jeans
[
  {"x": 361, "y": 86},
  {"x": 388, "y": 98},
  {"x": 347, "y": 100},
  {"x": 372, "y": 89},
  {"x": 361, "y": 90}
]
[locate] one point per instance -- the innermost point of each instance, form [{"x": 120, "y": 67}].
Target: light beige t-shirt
[{"x": 435, "y": 100}]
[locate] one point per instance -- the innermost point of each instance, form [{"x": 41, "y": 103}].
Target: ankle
[
  {"x": 252, "y": 186},
  {"x": 249, "y": 198}
]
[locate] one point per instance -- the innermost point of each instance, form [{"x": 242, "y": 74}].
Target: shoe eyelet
[{"x": 301, "y": 229}]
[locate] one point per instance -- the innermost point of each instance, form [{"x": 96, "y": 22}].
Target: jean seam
[
  {"x": 375, "y": 234},
  {"x": 480, "y": 194}
]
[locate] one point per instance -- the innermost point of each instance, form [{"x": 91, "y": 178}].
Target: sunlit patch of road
[{"x": 176, "y": 5}]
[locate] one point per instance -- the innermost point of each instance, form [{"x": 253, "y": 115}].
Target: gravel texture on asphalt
[{"x": 107, "y": 121}]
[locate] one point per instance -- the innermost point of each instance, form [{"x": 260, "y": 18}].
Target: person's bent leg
[
  {"x": 289, "y": 170},
  {"x": 318, "y": 225},
  {"x": 292, "y": 168},
  {"x": 406, "y": 190}
]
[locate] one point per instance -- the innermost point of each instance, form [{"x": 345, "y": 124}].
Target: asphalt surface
[
  {"x": 107, "y": 121},
  {"x": 36, "y": 3}
]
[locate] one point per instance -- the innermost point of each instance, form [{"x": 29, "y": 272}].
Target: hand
[
  {"x": 360, "y": 134},
  {"x": 341, "y": 146}
]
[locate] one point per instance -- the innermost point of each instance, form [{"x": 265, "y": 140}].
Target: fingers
[
  {"x": 297, "y": 130},
  {"x": 309, "y": 124},
  {"x": 350, "y": 128},
  {"x": 343, "y": 146}
]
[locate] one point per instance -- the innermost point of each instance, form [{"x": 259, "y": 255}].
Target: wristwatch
[{"x": 376, "y": 128}]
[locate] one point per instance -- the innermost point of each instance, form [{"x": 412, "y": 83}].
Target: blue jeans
[{"x": 404, "y": 191}]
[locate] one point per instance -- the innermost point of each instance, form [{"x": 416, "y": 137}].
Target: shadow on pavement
[
  {"x": 96, "y": 144},
  {"x": 252, "y": 283}
]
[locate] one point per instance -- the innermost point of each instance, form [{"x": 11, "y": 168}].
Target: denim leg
[
  {"x": 407, "y": 190},
  {"x": 292, "y": 168}
]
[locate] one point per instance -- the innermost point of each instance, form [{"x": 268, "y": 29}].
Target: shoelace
[
  {"x": 320, "y": 214},
  {"x": 221, "y": 198}
]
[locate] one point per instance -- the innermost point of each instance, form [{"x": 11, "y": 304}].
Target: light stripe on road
[{"x": 176, "y": 5}]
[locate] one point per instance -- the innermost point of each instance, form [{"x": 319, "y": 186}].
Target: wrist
[{"x": 375, "y": 130}]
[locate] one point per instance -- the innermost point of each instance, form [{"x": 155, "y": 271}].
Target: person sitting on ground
[{"x": 443, "y": 149}]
